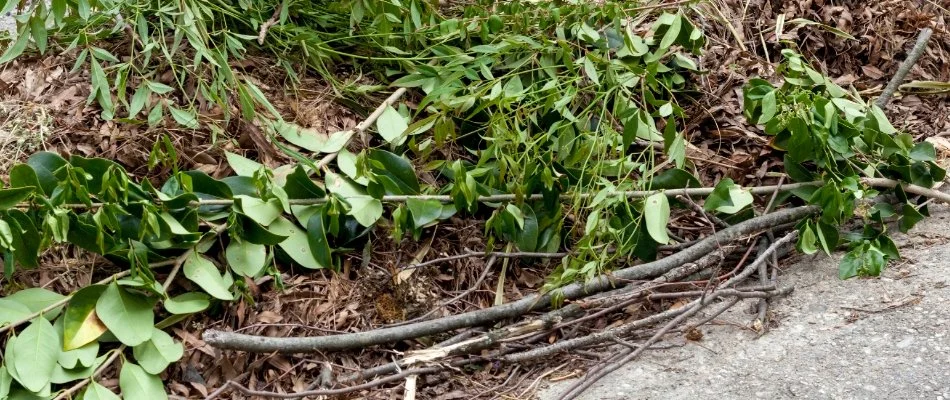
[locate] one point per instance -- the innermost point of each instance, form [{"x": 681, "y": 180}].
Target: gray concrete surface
[{"x": 855, "y": 339}]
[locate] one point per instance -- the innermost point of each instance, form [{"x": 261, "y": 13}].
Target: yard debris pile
[{"x": 464, "y": 308}]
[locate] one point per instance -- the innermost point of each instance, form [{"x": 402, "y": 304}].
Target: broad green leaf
[
  {"x": 515, "y": 212},
  {"x": 202, "y": 271},
  {"x": 187, "y": 303},
  {"x": 728, "y": 198},
  {"x": 138, "y": 384},
  {"x": 127, "y": 315},
  {"x": 38, "y": 349},
  {"x": 656, "y": 212},
  {"x": 245, "y": 258},
  {"x": 395, "y": 173},
  {"x": 310, "y": 139},
  {"x": 5, "y": 382},
  {"x": 81, "y": 325},
  {"x": 827, "y": 236},
  {"x": 317, "y": 236},
  {"x": 669, "y": 37},
  {"x": 300, "y": 186},
  {"x": 95, "y": 391},
  {"x": 61, "y": 375},
  {"x": 425, "y": 212},
  {"x": 391, "y": 125},
  {"x": 769, "y": 107},
  {"x": 262, "y": 212},
  {"x": 14, "y": 51},
  {"x": 241, "y": 165},
  {"x": 138, "y": 100},
  {"x": 12, "y": 311},
  {"x": 37, "y": 299},
  {"x": 45, "y": 164},
  {"x": 22, "y": 175},
  {"x": 297, "y": 244},
  {"x": 159, "y": 351},
  {"x": 365, "y": 209},
  {"x": 84, "y": 356},
  {"x": 923, "y": 151},
  {"x": 9, "y": 198},
  {"x": 910, "y": 216}
]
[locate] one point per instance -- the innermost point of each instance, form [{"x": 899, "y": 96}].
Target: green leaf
[
  {"x": 317, "y": 236},
  {"x": 138, "y": 100},
  {"x": 45, "y": 164},
  {"x": 138, "y": 384},
  {"x": 156, "y": 114},
  {"x": 515, "y": 212},
  {"x": 262, "y": 212},
  {"x": 36, "y": 355},
  {"x": 128, "y": 316},
  {"x": 425, "y": 212},
  {"x": 656, "y": 212},
  {"x": 5, "y": 381},
  {"x": 159, "y": 351},
  {"x": 391, "y": 125},
  {"x": 95, "y": 391},
  {"x": 246, "y": 258},
  {"x": 310, "y": 139},
  {"x": 17, "y": 48},
  {"x": 672, "y": 32},
  {"x": 910, "y": 216},
  {"x": 923, "y": 151},
  {"x": 81, "y": 325},
  {"x": 241, "y": 165},
  {"x": 297, "y": 244},
  {"x": 186, "y": 118},
  {"x": 84, "y": 356},
  {"x": 827, "y": 236},
  {"x": 187, "y": 303},
  {"x": 728, "y": 198},
  {"x": 9, "y": 198},
  {"x": 365, "y": 209},
  {"x": 202, "y": 271},
  {"x": 37, "y": 299},
  {"x": 806, "y": 242},
  {"x": 769, "y": 108},
  {"x": 395, "y": 173},
  {"x": 22, "y": 176},
  {"x": 300, "y": 186},
  {"x": 12, "y": 311}
]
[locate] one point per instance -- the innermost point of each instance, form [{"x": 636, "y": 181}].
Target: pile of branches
[{"x": 559, "y": 128}]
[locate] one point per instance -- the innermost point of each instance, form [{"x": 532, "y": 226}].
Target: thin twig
[{"x": 363, "y": 126}]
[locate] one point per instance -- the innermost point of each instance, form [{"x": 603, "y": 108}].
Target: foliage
[
  {"x": 565, "y": 107},
  {"x": 831, "y": 135}
]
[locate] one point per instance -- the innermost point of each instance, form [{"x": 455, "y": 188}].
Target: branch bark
[
  {"x": 922, "y": 38},
  {"x": 264, "y": 344}
]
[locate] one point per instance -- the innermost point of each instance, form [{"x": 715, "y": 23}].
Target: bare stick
[
  {"x": 251, "y": 343},
  {"x": 363, "y": 126},
  {"x": 905, "y": 67}
]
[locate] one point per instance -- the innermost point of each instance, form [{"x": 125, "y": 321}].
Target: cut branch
[{"x": 264, "y": 344}]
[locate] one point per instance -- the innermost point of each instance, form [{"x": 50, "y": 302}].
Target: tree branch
[{"x": 264, "y": 344}]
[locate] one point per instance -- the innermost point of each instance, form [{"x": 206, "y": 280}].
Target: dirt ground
[{"x": 883, "y": 338}]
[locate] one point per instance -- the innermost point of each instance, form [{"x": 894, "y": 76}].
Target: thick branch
[
  {"x": 905, "y": 67},
  {"x": 264, "y": 344}
]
